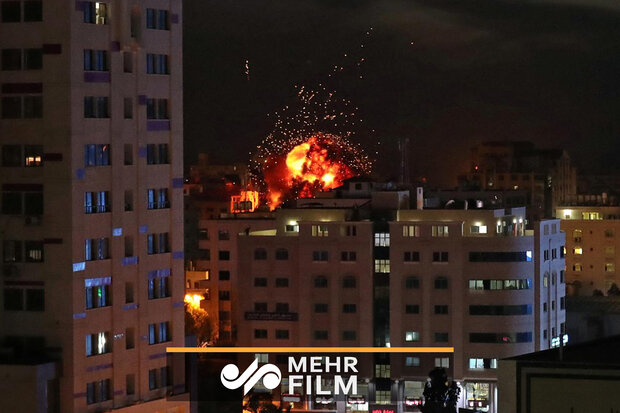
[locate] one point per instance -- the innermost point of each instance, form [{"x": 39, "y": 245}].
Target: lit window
[
  {"x": 412, "y": 361},
  {"x": 440, "y": 231},
  {"x": 577, "y": 250},
  {"x": 610, "y": 250},
  {"x": 479, "y": 229},
  {"x": 411, "y": 231},
  {"x": 577, "y": 267},
  {"x": 442, "y": 362},
  {"x": 610, "y": 267},
  {"x": 382, "y": 239},
  {"x": 382, "y": 266},
  {"x": 412, "y": 336},
  {"x": 320, "y": 231},
  {"x": 262, "y": 357}
]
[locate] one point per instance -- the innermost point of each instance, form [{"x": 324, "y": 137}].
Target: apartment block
[
  {"x": 592, "y": 239},
  {"x": 363, "y": 266},
  {"x": 91, "y": 131}
]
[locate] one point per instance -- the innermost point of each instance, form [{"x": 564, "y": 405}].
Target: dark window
[
  {"x": 97, "y": 296},
  {"x": 11, "y": 11},
  {"x": 12, "y": 203},
  {"x": 11, "y": 107},
  {"x": 441, "y": 337},
  {"x": 500, "y": 309},
  {"x": 441, "y": 309},
  {"x": 260, "y": 254},
  {"x": 281, "y": 254},
  {"x": 223, "y": 255},
  {"x": 412, "y": 256},
  {"x": 511, "y": 256},
  {"x": 349, "y": 335},
  {"x": 525, "y": 337},
  {"x": 260, "y": 307},
  {"x": 349, "y": 282},
  {"x": 96, "y": 60},
  {"x": 159, "y": 287},
  {"x": 412, "y": 309},
  {"x": 260, "y": 282},
  {"x": 98, "y": 391},
  {"x": 157, "y": 108},
  {"x": 320, "y": 335},
  {"x": 11, "y": 59},
  {"x": 12, "y": 251},
  {"x": 13, "y": 299},
  {"x": 157, "y": 154},
  {"x": 320, "y": 308},
  {"x": 224, "y": 275},
  {"x": 441, "y": 283},
  {"x": 281, "y": 307},
  {"x": 96, "y": 107},
  {"x": 282, "y": 334},
  {"x": 127, "y": 108},
  {"x": 260, "y": 333},
  {"x": 281, "y": 282},
  {"x": 320, "y": 256},
  {"x": 441, "y": 256},
  {"x": 157, "y": 64},
  {"x": 35, "y": 300},
  {"x": 97, "y": 155},
  {"x": 349, "y": 308},
  {"x": 412, "y": 283},
  {"x": 33, "y": 59},
  {"x": 224, "y": 295},
  {"x": 320, "y": 282},
  {"x": 33, "y": 11},
  {"x": 157, "y": 19}
]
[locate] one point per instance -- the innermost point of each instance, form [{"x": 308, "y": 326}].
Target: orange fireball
[{"x": 309, "y": 167}]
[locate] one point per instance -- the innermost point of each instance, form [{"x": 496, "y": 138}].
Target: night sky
[{"x": 545, "y": 71}]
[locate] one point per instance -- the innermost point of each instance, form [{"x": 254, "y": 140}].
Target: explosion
[
  {"x": 309, "y": 149},
  {"x": 318, "y": 163}
]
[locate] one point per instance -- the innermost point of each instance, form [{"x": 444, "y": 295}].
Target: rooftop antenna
[{"x": 403, "y": 148}]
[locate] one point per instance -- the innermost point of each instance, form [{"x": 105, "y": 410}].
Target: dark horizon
[{"x": 543, "y": 71}]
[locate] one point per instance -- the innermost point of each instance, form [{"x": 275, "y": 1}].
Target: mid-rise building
[
  {"x": 592, "y": 239},
  {"x": 547, "y": 176},
  {"x": 91, "y": 131},
  {"x": 359, "y": 267}
]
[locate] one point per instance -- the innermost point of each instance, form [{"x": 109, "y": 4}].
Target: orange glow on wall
[
  {"x": 194, "y": 300},
  {"x": 247, "y": 201}
]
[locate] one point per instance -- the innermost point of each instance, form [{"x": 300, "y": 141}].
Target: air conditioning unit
[
  {"x": 33, "y": 220},
  {"x": 10, "y": 270}
]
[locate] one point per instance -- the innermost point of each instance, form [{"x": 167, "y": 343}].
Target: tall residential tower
[{"x": 91, "y": 132}]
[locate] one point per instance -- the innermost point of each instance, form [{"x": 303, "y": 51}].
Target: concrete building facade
[
  {"x": 363, "y": 269},
  {"x": 592, "y": 240},
  {"x": 91, "y": 227}
]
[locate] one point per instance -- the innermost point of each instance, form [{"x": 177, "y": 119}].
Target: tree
[
  {"x": 613, "y": 290},
  {"x": 197, "y": 323},
  {"x": 440, "y": 395}
]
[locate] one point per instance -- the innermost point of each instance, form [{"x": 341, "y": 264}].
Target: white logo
[{"x": 231, "y": 379}]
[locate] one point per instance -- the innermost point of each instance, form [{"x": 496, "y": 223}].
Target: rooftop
[{"x": 602, "y": 351}]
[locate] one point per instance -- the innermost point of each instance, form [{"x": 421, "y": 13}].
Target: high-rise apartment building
[
  {"x": 91, "y": 132},
  {"x": 361, "y": 268}
]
